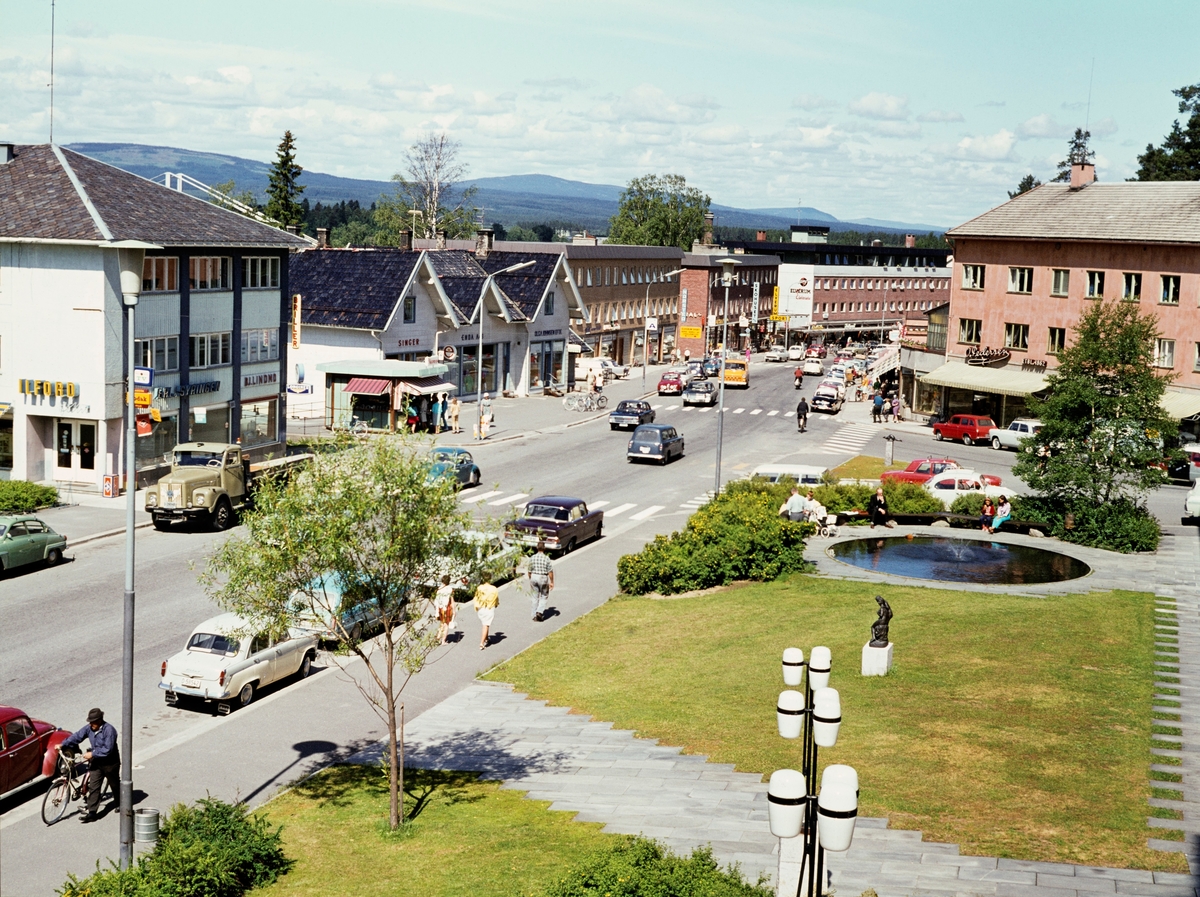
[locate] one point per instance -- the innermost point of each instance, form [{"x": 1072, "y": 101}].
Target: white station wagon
[{"x": 221, "y": 663}]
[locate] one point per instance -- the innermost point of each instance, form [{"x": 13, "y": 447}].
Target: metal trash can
[{"x": 145, "y": 825}]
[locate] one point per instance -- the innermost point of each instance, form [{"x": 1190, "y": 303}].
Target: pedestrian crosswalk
[
  {"x": 622, "y": 510},
  {"x": 699, "y": 501},
  {"x": 849, "y": 439}
]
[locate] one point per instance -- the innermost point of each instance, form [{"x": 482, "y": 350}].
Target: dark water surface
[{"x": 959, "y": 560}]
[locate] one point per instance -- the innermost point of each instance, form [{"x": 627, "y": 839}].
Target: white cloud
[
  {"x": 937, "y": 115},
  {"x": 906, "y": 129},
  {"x": 1106, "y": 127},
  {"x": 812, "y": 101},
  {"x": 991, "y": 147},
  {"x": 881, "y": 106},
  {"x": 236, "y": 74},
  {"x": 1043, "y": 126}
]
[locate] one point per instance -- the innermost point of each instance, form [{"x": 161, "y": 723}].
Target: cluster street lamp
[
  {"x": 727, "y": 281},
  {"x": 826, "y": 819},
  {"x": 479, "y": 349},
  {"x": 645, "y": 326}
]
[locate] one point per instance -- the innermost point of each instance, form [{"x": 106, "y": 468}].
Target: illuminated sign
[{"x": 56, "y": 388}]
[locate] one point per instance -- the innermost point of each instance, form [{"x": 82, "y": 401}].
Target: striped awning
[
  {"x": 425, "y": 386},
  {"x": 1180, "y": 405},
  {"x": 367, "y": 386},
  {"x": 1003, "y": 381}
]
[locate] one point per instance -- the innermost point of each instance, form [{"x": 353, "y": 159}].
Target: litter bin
[{"x": 145, "y": 825}]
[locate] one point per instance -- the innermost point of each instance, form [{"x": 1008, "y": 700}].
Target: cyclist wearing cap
[{"x": 104, "y": 762}]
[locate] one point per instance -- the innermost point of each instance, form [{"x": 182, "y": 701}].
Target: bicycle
[
  {"x": 571, "y": 401},
  {"x": 69, "y": 784},
  {"x": 353, "y": 425}
]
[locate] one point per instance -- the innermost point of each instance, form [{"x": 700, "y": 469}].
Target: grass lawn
[
  {"x": 1015, "y": 726},
  {"x": 864, "y": 467},
  {"x": 469, "y": 838}
]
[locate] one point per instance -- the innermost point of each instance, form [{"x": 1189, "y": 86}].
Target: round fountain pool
[{"x": 949, "y": 559}]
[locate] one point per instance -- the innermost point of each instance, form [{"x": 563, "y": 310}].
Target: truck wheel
[
  {"x": 246, "y": 695},
  {"x": 222, "y": 515},
  {"x": 161, "y": 523}
]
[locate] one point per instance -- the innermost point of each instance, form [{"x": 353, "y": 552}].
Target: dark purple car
[{"x": 562, "y": 523}]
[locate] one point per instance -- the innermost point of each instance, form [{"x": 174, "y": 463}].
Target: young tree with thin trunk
[
  {"x": 360, "y": 533},
  {"x": 283, "y": 189},
  {"x": 430, "y": 184}
]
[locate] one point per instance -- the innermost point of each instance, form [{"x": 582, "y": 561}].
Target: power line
[{"x": 51, "y": 71}]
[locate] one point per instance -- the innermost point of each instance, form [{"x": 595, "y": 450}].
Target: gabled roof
[
  {"x": 357, "y": 288},
  {"x": 524, "y": 288},
  {"x": 51, "y": 193},
  {"x": 1127, "y": 212}
]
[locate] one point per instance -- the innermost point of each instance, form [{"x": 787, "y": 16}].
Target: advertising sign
[
  {"x": 652, "y": 325},
  {"x": 141, "y": 398},
  {"x": 296, "y": 321},
  {"x": 691, "y": 332},
  {"x": 143, "y": 376},
  {"x": 754, "y": 305},
  {"x": 796, "y": 284}
]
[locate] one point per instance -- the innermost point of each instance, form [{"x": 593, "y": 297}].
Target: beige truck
[{"x": 209, "y": 482}]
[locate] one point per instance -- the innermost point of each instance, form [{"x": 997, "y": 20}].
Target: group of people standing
[
  {"x": 433, "y": 415},
  {"x": 885, "y": 410}
]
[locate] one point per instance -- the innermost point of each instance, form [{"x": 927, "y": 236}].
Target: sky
[{"x": 912, "y": 112}]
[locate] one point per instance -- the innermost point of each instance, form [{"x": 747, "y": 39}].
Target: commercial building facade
[{"x": 706, "y": 323}]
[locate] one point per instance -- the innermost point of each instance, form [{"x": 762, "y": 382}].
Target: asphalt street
[{"x": 62, "y": 634}]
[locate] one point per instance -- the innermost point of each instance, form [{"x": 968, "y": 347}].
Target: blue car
[
  {"x": 454, "y": 463},
  {"x": 325, "y": 598}
]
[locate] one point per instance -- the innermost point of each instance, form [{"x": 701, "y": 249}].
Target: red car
[
  {"x": 670, "y": 385},
  {"x": 923, "y": 468},
  {"x": 817, "y": 351},
  {"x": 970, "y": 428},
  {"x": 27, "y": 748}
]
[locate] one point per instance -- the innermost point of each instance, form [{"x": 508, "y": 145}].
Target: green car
[{"x": 27, "y": 540}]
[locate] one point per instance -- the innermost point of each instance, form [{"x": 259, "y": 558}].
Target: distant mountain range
[{"x": 521, "y": 198}]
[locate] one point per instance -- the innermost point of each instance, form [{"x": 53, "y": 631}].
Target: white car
[
  {"x": 227, "y": 659},
  {"x": 838, "y": 372},
  {"x": 1010, "y": 437},
  {"x": 836, "y": 384},
  {"x": 814, "y": 366},
  {"x": 795, "y": 353},
  {"x": 614, "y": 370},
  {"x": 802, "y": 474},
  {"x": 776, "y": 353},
  {"x": 950, "y": 484},
  {"x": 1191, "y": 503}
]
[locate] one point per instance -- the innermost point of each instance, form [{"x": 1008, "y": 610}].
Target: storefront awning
[
  {"x": 367, "y": 386},
  {"x": 1002, "y": 381},
  {"x": 5, "y": 408},
  {"x": 425, "y": 386},
  {"x": 1180, "y": 405}
]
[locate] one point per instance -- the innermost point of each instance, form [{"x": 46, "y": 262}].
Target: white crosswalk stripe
[
  {"x": 619, "y": 509},
  {"x": 772, "y": 413},
  {"x": 705, "y": 410},
  {"x": 848, "y": 438},
  {"x": 642, "y": 515},
  {"x": 756, "y": 411},
  {"x": 655, "y": 407},
  {"x": 471, "y": 499},
  {"x": 739, "y": 410},
  {"x": 689, "y": 407},
  {"x": 698, "y": 502},
  {"x": 509, "y": 499},
  {"x": 598, "y": 504}
]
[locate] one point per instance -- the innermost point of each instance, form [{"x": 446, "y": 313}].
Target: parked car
[
  {"x": 27, "y": 540},
  {"x": 561, "y": 522},
  {"x": 1010, "y": 437},
  {"x": 702, "y": 392},
  {"x": 1191, "y": 459},
  {"x": 796, "y": 353},
  {"x": 813, "y": 366},
  {"x": 695, "y": 371},
  {"x": 630, "y": 413},
  {"x": 837, "y": 372},
  {"x": 655, "y": 442},
  {"x": 618, "y": 371},
  {"x": 802, "y": 474},
  {"x": 27, "y": 748},
  {"x": 454, "y": 463},
  {"x": 227, "y": 659},
  {"x": 324, "y": 600},
  {"x": 923, "y": 468},
  {"x": 776, "y": 353},
  {"x": 487, "y": 552},
  {"x": 828, "y": 397},
  {"x": 1191, "y": 503},
  {"x": 834, "y": 383},
  {"x": 950, "y": 484},
  {"x": 970, "y": 428},
  {"x": 670, "y": 384}
]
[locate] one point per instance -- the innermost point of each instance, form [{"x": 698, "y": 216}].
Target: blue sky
[{"x": 917, "y": 112}]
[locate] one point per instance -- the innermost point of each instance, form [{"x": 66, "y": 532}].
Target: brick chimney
[
  {"x": 709, "y": 218},
  {"x": 484, "y": 239},
  {"x": 322, "y": 238},
  {"x": 877, "y": 242},
  {"x": 1082, "y": 174},
  {"x": 406, "y": 238},
  {"x": 910, "y": 241},
  {"x": 441, "y": 238},
  {"x": 760, "y": 236},
  {"x": 293, "y": 229}
]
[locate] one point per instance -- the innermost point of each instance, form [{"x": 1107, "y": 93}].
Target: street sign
[
  {"x": 712, "y": 320},
  {"x": 754, "y": 305},
  {"x": 143, "y": 377},
  {"x": 691, "y": 332},
  {"x": 448, "y": 353},
  {"x": 652, "y": 325},
  {"x": 780, "y": 318}
]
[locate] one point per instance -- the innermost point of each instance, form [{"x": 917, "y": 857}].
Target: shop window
[
  {"x": 973, "y": 277},
  {"x": 260, "y": 273},
  {"x": 153, "y": 449},
  {"x": 1131, "y": 287},
  {"x": 1060, "y": 282},
  {"x": 1057, "y": 340},
  {"x": 548, "y": 305},
  {"x": 1196, "y": 357},
  {"x": 1164, "y": 353},
  {"x": 1020, "y": 280},
  {"x": 160, "y": 275},
  {"x": 969, "y": 330},
  {"x": 209, "y": 424},
  {"x": 160, "y": 353},
  {"x": 210, "y": 350},
  {"x": 6, "y": 444},
  {"x": 209, "y": 272},
  {"x": 258, "y": 423},
  {"x": 260, "y": 345},
  {"x": 1170, "y": 289},
  {"x": 1095, "y": 287},
  {"x": 1016, "y": 336}
]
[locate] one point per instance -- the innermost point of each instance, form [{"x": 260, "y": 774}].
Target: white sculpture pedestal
[
  {"x": 876, "y": 661},
  {"x": 791, "y": 857}
]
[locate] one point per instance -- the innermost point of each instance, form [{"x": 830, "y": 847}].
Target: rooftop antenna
[
  {"x": 51, "y": 71},
  {"x": 1088, "y": 116}
]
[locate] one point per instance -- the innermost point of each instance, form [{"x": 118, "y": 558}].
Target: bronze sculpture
[{"x": 879, "y": 629}]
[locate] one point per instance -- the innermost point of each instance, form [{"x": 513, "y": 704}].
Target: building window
[
  {"x": 1196, "y": 358},
  {"x": 624, "y": 275},
  {"x": 260, "y": 345},
  {"x": 258, "y": 423},
  {"x": 210, "y": 350},
  {"x": 1062, "y": 281},
  {"x": 410, "y": 309},
  {"x": 260, "y": 273},
  {"x": 1170, "y": 289},
  {"x": 209, "y": 273},
  {"x": 548, "y": 306},
  {"x": 969, "y": 330},
  {"x": 1016, "y": 336},
  {"x": 1164, "y": 353},
  {"x": 1057, "y": 341},
  {"x": 589, "y": 277},
  {"x": 973, "y": 277},
  {"x": 1020, "y": 280},
  {"x": 1132, "y": 289},
  {"x": 1095, "y": 288},
  {"x": 160, "y": 353},
  {"x": 160, "y": 275}
]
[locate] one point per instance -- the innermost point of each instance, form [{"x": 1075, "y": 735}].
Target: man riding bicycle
[
  {"x": 104, "y": 762},
  {"x": 802, "y": 415}
]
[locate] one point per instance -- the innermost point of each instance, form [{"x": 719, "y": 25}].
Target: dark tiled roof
[
  {"x": 38, "y": 200},
  {"x": 523, "y": 288},
  {"x": 350, "y": 287},
  {"x": 615, "y": 252}
]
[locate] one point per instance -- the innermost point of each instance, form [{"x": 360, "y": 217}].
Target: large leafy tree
[
  {"x": 1026, "y": 184},
  {"x": 1102, "y": 423},
  {"x": 659, "y": 210},
  {"x": 1078, "y": 152},
  {"x": 365, "y": 526},
  {"x": 1178, "y": 158},
  {"x": 284, "y": 189},
  {"x": 431, "y": 184}
]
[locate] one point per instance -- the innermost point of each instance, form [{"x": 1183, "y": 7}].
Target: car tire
[
  {"x": 222, "y": 515},
  {"x": 996, "y": 443},
  {"x": 53, "y": 556},
  {"x": 937, "y": 435},
  {"x": 569, "y": 547},
  {"x": 305, "y": 666},
  {"x": 246, "y": 695},
  {"x": 967, "y": 439}
]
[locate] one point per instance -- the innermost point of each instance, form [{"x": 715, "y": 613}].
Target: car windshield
[
  {"x": 629, "y": 406},
  {"x": 545, "y": 512},
  {"x": 211, "y": 643},
  {"x": 645, "y": 436},
  {"x": 195, "y": 459},
  {"x": 443, "y": 455}
]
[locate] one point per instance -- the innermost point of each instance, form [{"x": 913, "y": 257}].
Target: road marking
[
  {"x": 739, "y": 410},
  {"x": 469, "y": 500},
  {"x": 598, "y": 504},
  {"x": 655, "y": 407},
  {"x": 689, "y": 407},
  {"x": 772, "y": 413},
  {"x": 705, "y": 410},
  {"x": 756, "y": 411},
  {"x": 642, "y": 515},
  {"x": 509, "y": 499},
  {"x": 619, "y": 509}
]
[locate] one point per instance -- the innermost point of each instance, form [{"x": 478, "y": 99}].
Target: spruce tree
[{"x": 283, "y": 188}]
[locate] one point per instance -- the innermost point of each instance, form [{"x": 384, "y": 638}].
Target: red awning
[
  {"x": 367, "y": 386},
  {"x": 425, "y": 386}
]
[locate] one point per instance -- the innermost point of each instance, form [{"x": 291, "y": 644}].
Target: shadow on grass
[{"x": 343, "y": 786}]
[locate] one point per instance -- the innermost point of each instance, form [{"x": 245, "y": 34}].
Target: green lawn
[
  {"x": 1015, "y": 726},
  {"x": 864, "y": 467},
  {"x": 469, "y": 838}
]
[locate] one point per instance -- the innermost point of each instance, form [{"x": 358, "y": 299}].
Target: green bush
[
  {"x": 211, "y": 849},
  {"x": 637, "y": 867},
  {"x": 20, "y": 497},
  {"x": 902, "y": 498},
  {"x": 969, "y": 504},
  {"x": 737, "y": 536},
  {"x": 1120, "y": 525}
]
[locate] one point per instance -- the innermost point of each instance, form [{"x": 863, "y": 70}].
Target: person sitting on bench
[{"x": 1003, "y": 513}]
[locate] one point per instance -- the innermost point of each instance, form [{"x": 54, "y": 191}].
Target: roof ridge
[{"x": 83, "y": 195}]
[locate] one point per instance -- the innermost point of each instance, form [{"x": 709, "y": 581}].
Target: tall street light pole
[
  {"x": 727, "y": 280},
  {"x": 479, "y": 349},
  {"x": 645, "y": 329}
]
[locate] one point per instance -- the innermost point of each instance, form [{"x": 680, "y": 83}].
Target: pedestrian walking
[
  {"x": 437, "y": 414},
  {"x": 455, "y": 410},
  {"x": 104, "y": 761},
  {"x": 444, "y": 399},
  {"x": 487, "y": 599},
  {"x": 896, "y": 408},
  {"x": 541, "y": 577},
  {"x": 877, "y": 409},
  {"x": 443, "y": 602},
  {"x": 485, "y": 416}
]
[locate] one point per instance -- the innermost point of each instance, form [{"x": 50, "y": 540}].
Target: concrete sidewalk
[{"x": 86, "y": 517}]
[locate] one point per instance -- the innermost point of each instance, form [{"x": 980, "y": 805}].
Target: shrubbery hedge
[
  {"x": 212, "y": 849},
  {"x": 902, "y": 498},
  {"x": 1120, "y": 525},
  {"x": 637, "y": 867},
  {"x": 20, "y": 497},
  {"x": 738, "y": 535}
]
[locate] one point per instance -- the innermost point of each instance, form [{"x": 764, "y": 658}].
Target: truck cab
[{"x": 207, "y": 482}]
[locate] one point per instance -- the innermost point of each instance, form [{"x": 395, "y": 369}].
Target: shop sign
[
  {"x": 683, "y": 305},
  {"x": 780, "y": 318},
  {"x": 468, "y": 337},
  {"x": 296, "y": 300},
  {"x": 1030, "y": 364},
  {"x": 192, "y": 389},
  {"x": 449, "y": 353},
  {"x": 143, "y": 377},
  {"x": 986, "y": 355},
  {"x": 691, "y": 332},
  {"x": 652, "y": 325},
  {"x": 754, "y": 304},
  {"x": 557, "y": 332},
  {"x": 408, "y": 343},
  {"x": 257, "y": 379},
  {"x": 56, "y": 388},
  {"x": 141, "y": 398},
  {"x": 300, "y": 389}
]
